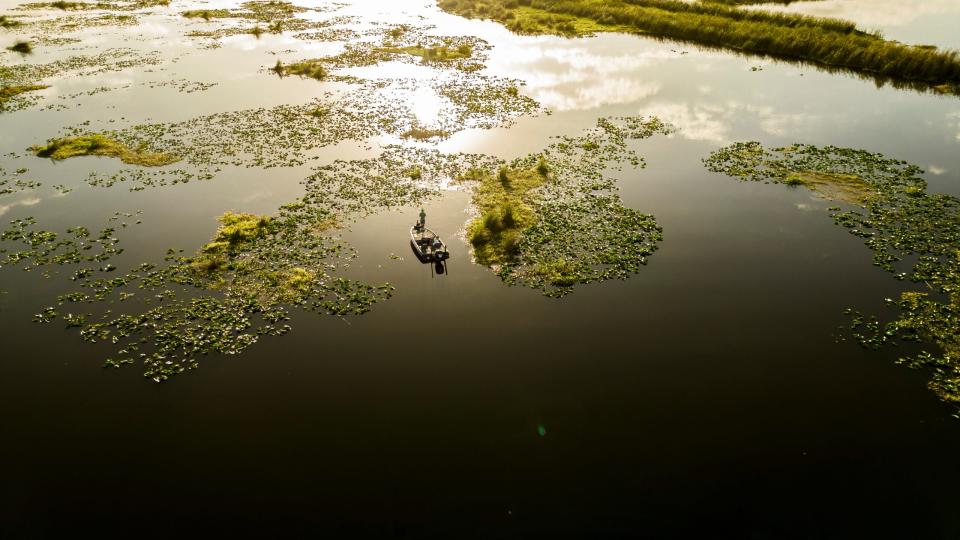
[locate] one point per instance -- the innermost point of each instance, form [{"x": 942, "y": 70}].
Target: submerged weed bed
[{"x": 913, "y": 234}]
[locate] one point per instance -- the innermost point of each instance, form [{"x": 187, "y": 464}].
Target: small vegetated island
[{"x": 827, "y": 43}]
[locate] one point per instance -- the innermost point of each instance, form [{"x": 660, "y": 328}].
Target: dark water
[{"x": 707, "y": 396}]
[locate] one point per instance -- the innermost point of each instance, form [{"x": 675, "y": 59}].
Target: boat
[{"x": 427, "y": 245}]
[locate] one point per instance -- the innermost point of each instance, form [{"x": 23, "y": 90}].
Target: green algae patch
[
  {"x": 100, "y": 145},
  {"x": 913, "y": 235},
  {"x": 830, "y": 44}
]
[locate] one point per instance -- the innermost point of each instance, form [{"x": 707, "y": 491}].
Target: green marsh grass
[
  {"x": 829, "y": 43},
  {"x": 504, "y": 201}
]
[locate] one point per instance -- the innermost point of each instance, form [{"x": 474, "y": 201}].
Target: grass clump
[
  {"x": 237, "y": 230},
  {"x": 6, "y": 22},
  {"x": 558, "y": 272},
  {"x": 504, "y": 201},
  {"x": 423, "y": 134},
  {"x": 101, "y": 145},
  {"x": 9, "y": 92},
  {"x": 797, "y": 165},
  {"x": 61, "y": 4},
  {"x": 206, "y": 14},
  {"x": 441, "y": 53},
  {"x": 829, "y": 43},
  {"x": 22, "y": 47},
  {"x": 312, "y": 69}
]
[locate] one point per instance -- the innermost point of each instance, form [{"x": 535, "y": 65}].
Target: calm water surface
[{"x": 708, "y": 394}]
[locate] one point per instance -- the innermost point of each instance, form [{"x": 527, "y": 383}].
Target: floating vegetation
[
  {"x": 241, "y": 285},
  {"x": 22, "y": 47},
  {"x": 284, "y": 136},
  {"x": 6, "y": 22},
  {"x": 185, "y": 86},
  {"x": 117, "y": 5},
  {"x": 465, "y": 53},
  {"x": 276, "y": 17},
  {"x": 7, "y": 93},
  {"x": 553, "y": 220},
  {"x": 312, "y": 69},
  {"x": 237, "y": 289},
  {"x": 913, "y": 234},
  {"x": 42, "y": 248},
  {"x": 828, "y": 43},
  {"x": 423, "y": 134},
  {"x": 206, "y": 14},
  {"x": 31, "y": 75},
  {"x": 100, "y": 145},
  {"x": 15, "y": 184}
]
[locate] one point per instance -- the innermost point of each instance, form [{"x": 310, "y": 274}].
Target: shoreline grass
[
  {"x": 829, "y": 43},
  {"x": 101, "y": 145}
]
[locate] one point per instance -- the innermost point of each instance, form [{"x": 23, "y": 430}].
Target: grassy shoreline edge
[{"x": 826, "y": 43}]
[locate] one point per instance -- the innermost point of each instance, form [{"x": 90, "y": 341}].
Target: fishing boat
[{"x": 427, "y": 245}]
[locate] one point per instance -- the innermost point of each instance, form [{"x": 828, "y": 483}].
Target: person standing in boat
[{"x": 423, "y": 219}]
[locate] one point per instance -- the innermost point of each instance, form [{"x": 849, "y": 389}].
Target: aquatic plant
[
  {"x": 22, "y": 47},
  {"x": 100, "y": 145},
  {"x": 440, "y": 53},
  {"x": 551, "y": 220},
  {"x": 6, "y": 22},
  {"x": 913, "y": 234},
  {"x": 40, "y": 248},
  {"x": 828, "y": 43},
  {"x": 205, "y": 14},
  {"x": 504, "y": 202},
  {"x": 422, "y": 134},
  {"x": 9, "y": 92},
  {"x": 60, "y": 4},
  {"x": 313, "y": 69}
]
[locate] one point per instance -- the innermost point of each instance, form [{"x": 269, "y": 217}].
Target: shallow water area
[{"x": 712, "y": 392}]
